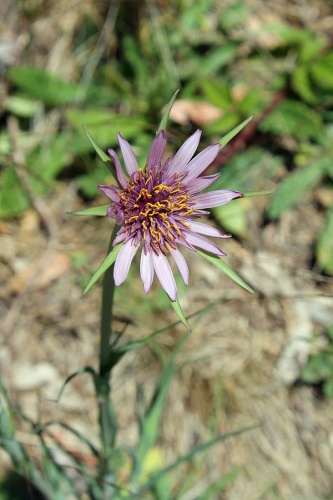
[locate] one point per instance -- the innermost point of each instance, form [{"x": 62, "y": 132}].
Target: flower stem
[{"x": 107, "y": 417}]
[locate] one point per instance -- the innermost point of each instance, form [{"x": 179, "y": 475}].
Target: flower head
[{"x": 157, "y": 209}]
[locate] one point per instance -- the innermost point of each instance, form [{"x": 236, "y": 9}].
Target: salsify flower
[{"x": 158, "y": 208}]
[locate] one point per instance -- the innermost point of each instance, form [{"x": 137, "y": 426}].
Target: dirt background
[{"x": 242, "y": 361}]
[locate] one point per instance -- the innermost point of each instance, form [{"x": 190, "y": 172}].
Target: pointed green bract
[
  {"x": 248, "y": 194},
  {"x": 98, "y": 150},
  {"x": 178, "y": 310},
  {"x": 100, "y": 211},
  {"x": 226, "y": 269},
  {"x": 227, "y": 138},
  {"x": 165, "y": 117},
  {"x": 107, "y": 262}
]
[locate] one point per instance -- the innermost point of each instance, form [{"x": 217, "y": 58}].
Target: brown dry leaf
[
  {"x": 199, "y": 112},
  {"x": 59, "y": 263}
]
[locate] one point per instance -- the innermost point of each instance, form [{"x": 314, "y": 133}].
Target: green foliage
[{"x": 319, "y": 368}]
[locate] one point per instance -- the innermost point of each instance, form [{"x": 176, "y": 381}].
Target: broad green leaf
[
  {"x": 328, "y": 388},
  {"x": 100, "y": 210},
  {"x": 227, "y": 138},
  {"x": 293, "y": 118},
  {"x": 217, "y": 92},
  {"x": 295, "y": 186},
  {"x": 248, "y": 170},
  {"x": 324, "y": 249},
  {"x": 218, "y": 58},
  {"x": 108, "y": 261},
  {"x": 21, "y": 106},
  {"x": 302, "y": 84},
  {"x": 222, "y": 125},
  {"x": 165, "y": 117},
  {"x": 44, "y": 86},
  {"x": 178, "y": 310},
  {"x": 322, "y": 72},
  {"x": 226, "y": 269},
  {"x": 232, "y": 218},
  {"x": 98, "y": 150},
  {"x": 49, "y": 158},
  {"x": 13, "y": 197}
]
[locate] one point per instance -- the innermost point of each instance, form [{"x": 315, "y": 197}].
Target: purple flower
[{"x": 158, "y": 208}]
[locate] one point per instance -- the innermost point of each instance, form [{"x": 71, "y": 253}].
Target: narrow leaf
[
  {"x": 247, "y": 194},
  {"x": 86, "y": 369},
  {"x": 103, "y": 156},
  {"x": 165, "y": 117},
  {"x": 226, "y": 269},
  {"x": 199, "y": 449},
  {"x": 107, "y": 262},
  {"x": 227, "y": 138},
  {"x": 178, "y": 310},
  {"x": 100, "y": 210}
]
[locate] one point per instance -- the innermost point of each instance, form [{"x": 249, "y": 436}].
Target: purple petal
[
  {"x": 156, "y": 151},
  {"x": 146, "y": 270},
  {"x": 110, "y": 191},
  {"x": 198, "y": 227},
  {"x": 215, "y": 198},
  {"x": 120, "y": 173},
  {"x": 197, "y": 185},
  {"x": 201, "y": 161},
  {"x": 181, "y": 264},
  {"x": 185, "y": 153},
  {"x": 123, "y": 262},
  {"x": 129, "y": 157},
  {"x": 164, "y": 274},
  {"x": 201, "y": 242}
]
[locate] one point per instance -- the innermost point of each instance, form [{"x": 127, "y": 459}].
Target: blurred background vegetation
[{"x": 112, "y": 66}]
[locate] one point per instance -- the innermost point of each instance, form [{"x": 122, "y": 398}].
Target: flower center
[{"x": 154, "y": 207}]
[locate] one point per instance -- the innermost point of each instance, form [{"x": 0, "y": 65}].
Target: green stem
[{"x": 107, "y": 417}]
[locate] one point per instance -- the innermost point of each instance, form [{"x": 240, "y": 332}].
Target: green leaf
[
  {"x": 227, "y": 138},
  {"x": 100, "y": 211},
  {"x": 21, "y": 106},
  {"x": 226, "y": 269},
  {"x": 98, "y": 150},
  {"x": 165, "y": 117},
  {"x": 108, "y": 261},
  {"x": 178, "y": 310},
  {"x": 217, "y": 92},
  {"x": 293, "y": 118},
  {"x": 322, "y": 72},
  {"x": 302, "y": 84},
  {"x": 324, "y": 248},
  {"x": 13, "y": 197},
  {"x": 232, "y": 218},
  {"x": 44, "y": 86},
  {"x": 295, "y": 185}
]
